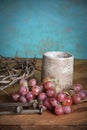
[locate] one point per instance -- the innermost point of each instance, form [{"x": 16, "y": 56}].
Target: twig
[
  {"x": 13, "y": 70},
  {"x": 84, "y": 100},
  {"x": 4, "y": 82}
]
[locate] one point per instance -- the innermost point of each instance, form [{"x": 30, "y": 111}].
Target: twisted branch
[{"x": 13, "y": 69}]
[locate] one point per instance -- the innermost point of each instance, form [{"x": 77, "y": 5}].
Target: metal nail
[
  {"x": 11, "y": 104},
  {"x": 32, "y": 111},
  {"x": 6, "y": 112},
  {"x": 20, "y": 111}
]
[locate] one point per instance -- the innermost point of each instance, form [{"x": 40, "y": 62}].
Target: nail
[
  {"x": 32, "y": 111},
  {"x": 14, "y": 104},
  {"x": 5, "y": 112},
  {"x": 20, "y": 111}
]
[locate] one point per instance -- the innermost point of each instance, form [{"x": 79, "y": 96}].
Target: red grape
[
  {"x": 15, "y": 96},
  {"x": 61, "y": 96},
  {"x": 42, "y": 96},
  {"x": 32, "y": 82},
  {"x": 23, "y": 82},
  {"x": 77, "y": 87},
  {"x": 23, "y": 90},
  {"x": 48, "y": 85},
  {"x": 67, "y": 109},
  {"x": 22, "y": 99},
  {"x": 53, "y": 102},
  {"x": 29, "y": 96},
  {"x": 46, "y": 97},
  {"x": 59, "y": 110},
  {"x": 41, "y": 87},
  {"x": 83, "y": 94},
  {"x": 67, "y": 101},
  {"x": 50, "y": 93},
  {"x": 76, "y": 98},
  {"x": 47, "y": 104},
  {"x": 36, "y": 90}
]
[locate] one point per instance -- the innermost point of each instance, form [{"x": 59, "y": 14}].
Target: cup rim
[{"x": 58, "y": 54}]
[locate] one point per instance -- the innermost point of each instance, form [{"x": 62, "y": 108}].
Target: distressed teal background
[{"x": 32, "y": 27}]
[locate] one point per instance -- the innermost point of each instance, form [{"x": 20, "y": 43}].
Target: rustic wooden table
[{"x": 76, "y": 120}]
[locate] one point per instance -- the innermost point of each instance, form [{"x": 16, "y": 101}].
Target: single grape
[
  {"x": 36, "y": 90},
  {"x": 48, "y": 85},
  {"x": 58, "y": 110},
  {"x": 47, "y": 104},
  {"x": 85, "y": 91},
  {"x": 23, "y": 99},
  {"x": 83, "y": 94},
  {"x": 53, "y": 102},
  {"x": 41, "y": 87},
  {"x": 29, "y": 96},
  {"x": 60, "y": 97},
  {"x": 50, "y": 93},
  {"x": 42, "y": 96},
  {"x": 67, "y": 109},
  {"x": 23, "y": 90},
  {"x": 15, "y": 96},
  {"x": 67, "y": 101},
  {"x": 76, "y": 98},
  {"x": 77, "y": 87},
  {"x": 23, "y": 82},
  {"x": 32, "y": 82}
]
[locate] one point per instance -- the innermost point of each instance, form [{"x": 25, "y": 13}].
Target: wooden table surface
[{"x": 76, "y": 120}]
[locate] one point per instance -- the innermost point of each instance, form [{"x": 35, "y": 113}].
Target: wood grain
[{"x": 76, "y": 120}]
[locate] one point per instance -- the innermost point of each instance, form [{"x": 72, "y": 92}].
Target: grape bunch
[{"x": 46, "y": 96}]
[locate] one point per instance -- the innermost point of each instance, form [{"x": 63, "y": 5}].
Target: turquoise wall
[{"x": 29, "y": 28}]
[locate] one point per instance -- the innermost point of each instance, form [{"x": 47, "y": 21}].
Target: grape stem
[{"x": 84, "y": 100}]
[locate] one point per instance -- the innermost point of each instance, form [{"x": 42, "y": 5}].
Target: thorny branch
[{"x": 14, "y": 69}]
